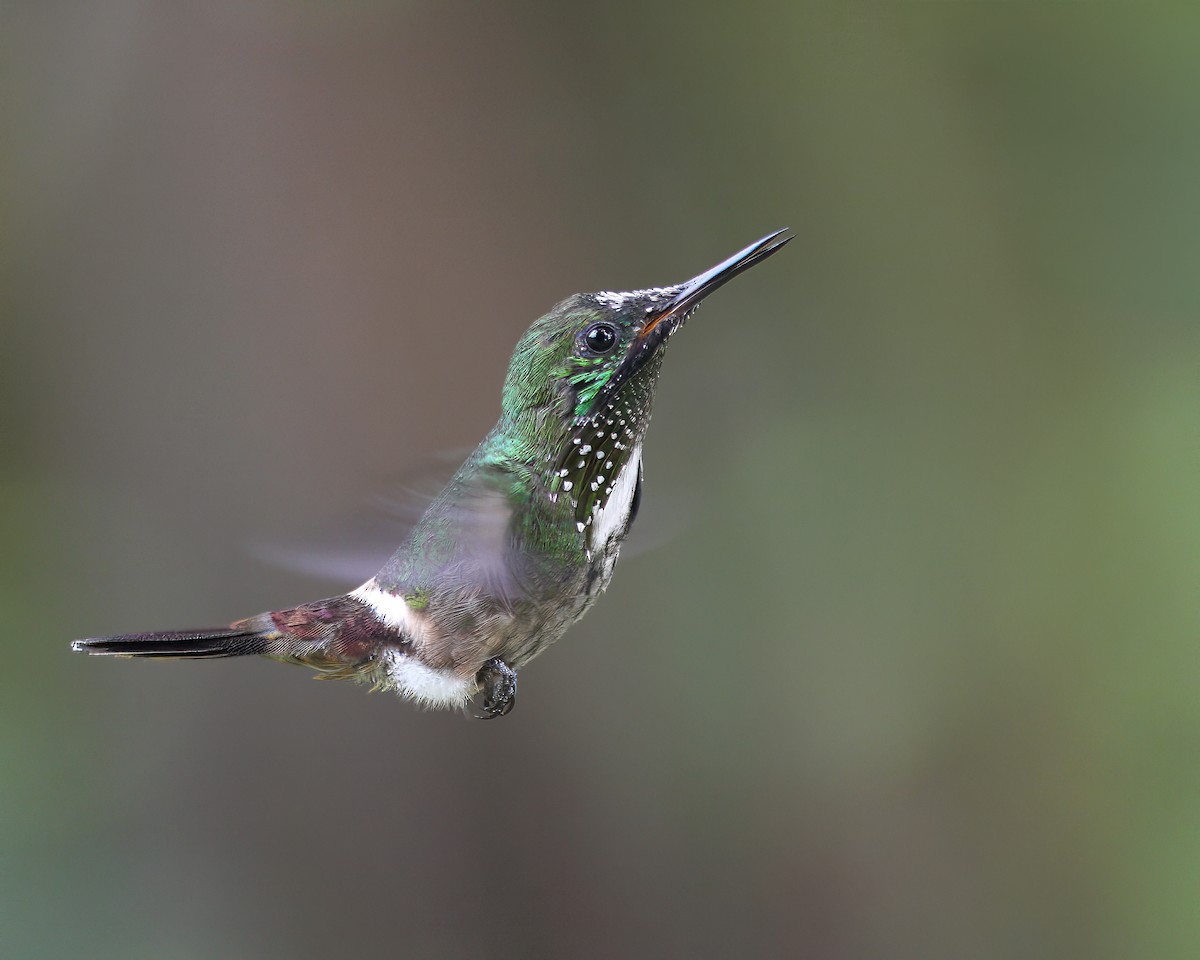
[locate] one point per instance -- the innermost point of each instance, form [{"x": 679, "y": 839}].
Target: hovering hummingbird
[{"x": 524, "y": 537}]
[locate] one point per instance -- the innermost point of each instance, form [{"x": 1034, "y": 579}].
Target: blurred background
[{"x": 917, "y": 676}]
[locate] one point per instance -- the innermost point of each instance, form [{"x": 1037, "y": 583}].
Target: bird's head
[{"x": 582, "y": 378}]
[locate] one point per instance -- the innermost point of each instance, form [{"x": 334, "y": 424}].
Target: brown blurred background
[{"x": 918, "y": 678}]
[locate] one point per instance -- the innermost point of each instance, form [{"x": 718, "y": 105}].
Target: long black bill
[
  {"x": 695, "y": 290},
  {"x": 671, "y": 306}
]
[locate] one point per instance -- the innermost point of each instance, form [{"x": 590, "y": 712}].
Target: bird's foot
[{"x": 499, "y": 682}]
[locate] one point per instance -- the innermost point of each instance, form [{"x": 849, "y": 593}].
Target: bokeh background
[{"x": 915, "y": 675}]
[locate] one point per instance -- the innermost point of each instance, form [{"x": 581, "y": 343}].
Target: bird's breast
[{"x": 611, "y": 519}]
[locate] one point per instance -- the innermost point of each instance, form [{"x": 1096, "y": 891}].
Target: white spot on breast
[{"x": 611, "y": 519}]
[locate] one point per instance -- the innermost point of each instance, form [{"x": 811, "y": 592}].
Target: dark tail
[{"x": 192, "y": 644}]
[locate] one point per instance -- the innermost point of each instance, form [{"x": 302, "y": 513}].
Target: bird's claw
[{"x": 499, "y": 682}]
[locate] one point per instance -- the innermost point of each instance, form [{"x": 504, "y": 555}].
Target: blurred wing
[
  {"x": 348, "y": 550},
  {"x": 350, "y": 546}
]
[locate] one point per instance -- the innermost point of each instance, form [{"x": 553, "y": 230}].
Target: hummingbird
[{"x": 523, "y": 538}]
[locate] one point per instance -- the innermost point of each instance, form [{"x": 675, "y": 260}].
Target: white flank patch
[
  {"x": 388, "y": 607},
  {"x": 410, "y": 678},
  {"x": 611, "y": 519},
  {"x": 426, "y": 685}
]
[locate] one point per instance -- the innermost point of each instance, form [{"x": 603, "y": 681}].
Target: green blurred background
[{"x": 918, "y": 677}]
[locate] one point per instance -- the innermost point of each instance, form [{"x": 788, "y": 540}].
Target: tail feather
[{"x": 190, "y": 644}]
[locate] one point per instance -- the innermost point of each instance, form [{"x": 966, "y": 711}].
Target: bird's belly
[{"x": 455, "y": 632}]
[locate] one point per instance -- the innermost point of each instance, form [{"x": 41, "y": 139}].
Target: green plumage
[{"x": 524, "y": 537}]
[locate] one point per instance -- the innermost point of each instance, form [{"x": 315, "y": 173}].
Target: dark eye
[{"x": 600, "y": 338}]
